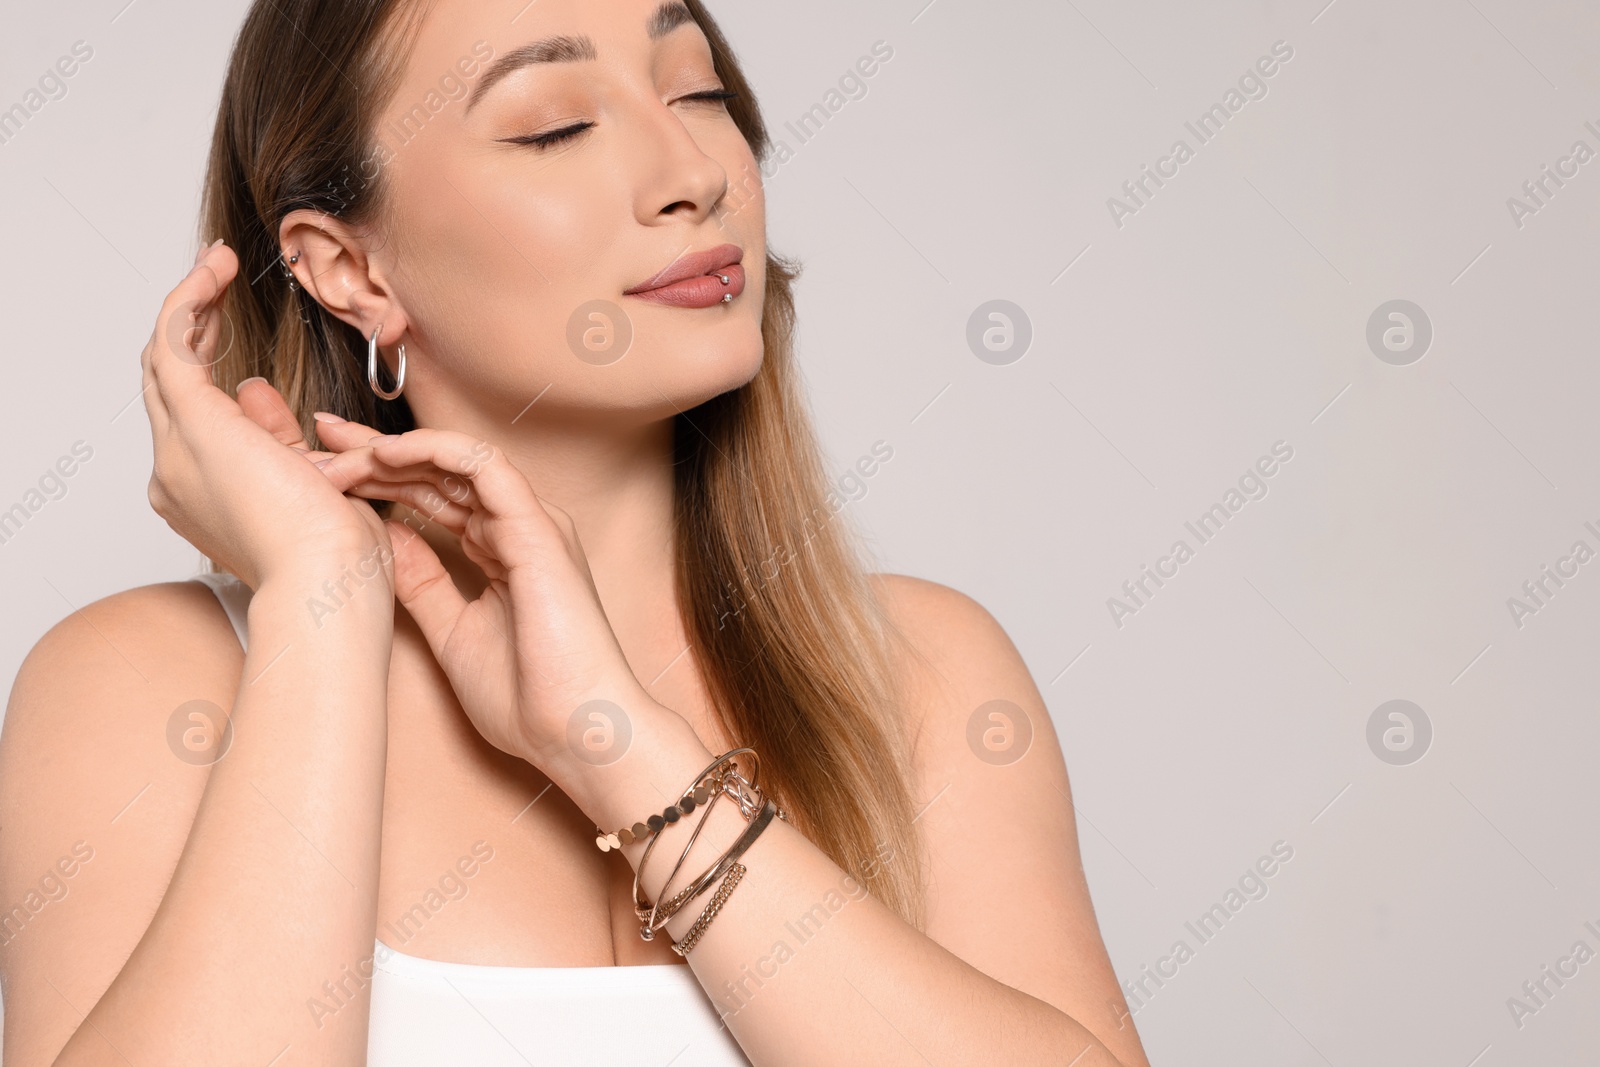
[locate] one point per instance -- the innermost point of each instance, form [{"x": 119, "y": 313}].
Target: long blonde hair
[{"x": 798, "y": 666}]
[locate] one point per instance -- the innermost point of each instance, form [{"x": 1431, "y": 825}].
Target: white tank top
[{"x": 427, "y": 1012}]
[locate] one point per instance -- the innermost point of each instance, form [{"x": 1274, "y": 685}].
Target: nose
[{"x": 678, "y": 179}]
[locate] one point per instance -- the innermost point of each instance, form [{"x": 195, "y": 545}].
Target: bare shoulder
[
  {"x": 187, "y": 606},
  {"x": 953, "y": 655},
  {"x": 99, "y": 667},
  {"x": 1007, "y": 891},
  {"x": 98, "y": 787}
]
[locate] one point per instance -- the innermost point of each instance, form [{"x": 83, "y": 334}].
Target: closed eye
[
  {"x": 546, "y": 140},
  {"x": 566, "y": 133}
]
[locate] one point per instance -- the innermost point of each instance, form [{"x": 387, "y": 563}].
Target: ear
[{"x": 336, "y": 270}]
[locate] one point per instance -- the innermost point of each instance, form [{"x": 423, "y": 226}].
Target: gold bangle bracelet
[
  {"x": 659, "y": 914},
  {"x": 746, "y": 839},
  {"x": 667, "y": 908},
  {"x": 670, "y": 907},
  {"x": 644, "y": 907}
]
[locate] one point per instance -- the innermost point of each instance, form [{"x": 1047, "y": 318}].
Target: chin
[{"x": 694, "y": 376}]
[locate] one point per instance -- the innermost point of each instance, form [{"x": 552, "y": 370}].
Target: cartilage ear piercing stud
[{"x": 295, "y": 258}]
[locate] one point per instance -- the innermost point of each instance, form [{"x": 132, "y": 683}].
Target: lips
[
  {"x": 701, "y": 291},
  {"x": 691, "y": 265}
]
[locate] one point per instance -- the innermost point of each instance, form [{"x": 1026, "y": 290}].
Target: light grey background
[{"x": 1168, "y": 354}]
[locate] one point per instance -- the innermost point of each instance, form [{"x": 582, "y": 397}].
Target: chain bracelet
[{"x": 724, "y": 890}]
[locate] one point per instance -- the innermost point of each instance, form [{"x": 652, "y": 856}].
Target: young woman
[{"x": 484, "y": 403}]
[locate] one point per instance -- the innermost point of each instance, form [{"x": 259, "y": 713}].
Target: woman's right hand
[{"x": 241, "y": 489}]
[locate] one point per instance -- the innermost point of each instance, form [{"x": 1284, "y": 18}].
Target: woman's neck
[{"x": 617, "y": 485}]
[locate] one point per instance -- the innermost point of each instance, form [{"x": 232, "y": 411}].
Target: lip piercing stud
[
  {"x": 723, "y": 278},
  {"x": 727, "y": 298}
]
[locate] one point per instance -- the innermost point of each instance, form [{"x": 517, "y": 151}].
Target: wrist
[
  {"x": 663, "y": 758},
  {"x": 326, "y": 598},
  {"x": 649, "y": 755},
  {"x": 352, "y": 566}
]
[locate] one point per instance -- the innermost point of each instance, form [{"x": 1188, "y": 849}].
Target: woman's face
[{"x": 511, "y": 261}]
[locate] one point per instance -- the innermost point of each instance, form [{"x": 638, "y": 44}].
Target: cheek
[
  {"x": 555, "y": 231},
  {"x": 742, "y": 213},
  {"x": 499, "y": 226},
  {"x": 493, "y": 266},
  {"x": 510, "y": 242},
  {"x": 496, "y": 263}
]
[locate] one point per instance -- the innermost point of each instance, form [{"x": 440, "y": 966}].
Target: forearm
[
  {"x": 799, "y": 941},
  {"x": 275, "y": 891}
]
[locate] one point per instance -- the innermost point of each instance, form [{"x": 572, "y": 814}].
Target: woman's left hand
[{"x": 536, "y": 644}]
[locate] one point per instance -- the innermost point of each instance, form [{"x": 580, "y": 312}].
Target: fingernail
[
  {"x": 381, "y": 438},
  {"x": 326, "y": 416},
  {"x": 246, "y": 382},
  {"x": 215, "y": 243},
  {"x": 323, "y": 463}
]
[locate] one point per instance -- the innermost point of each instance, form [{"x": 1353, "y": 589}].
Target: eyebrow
[{"x": 564, "y": 49}]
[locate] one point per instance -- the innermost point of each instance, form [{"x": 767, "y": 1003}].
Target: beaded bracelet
[
  {"x": 692, "y": 938},
  {"x": 704, "y": 787}
]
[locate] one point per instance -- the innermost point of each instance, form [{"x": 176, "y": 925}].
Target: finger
[
  {"x": 173, "y": 317},
  {"x": 501, "y": 488},
  {"x": 483, "y": 558},
  {"x": 423, "y": 498},
  {"x": 348, "y": 469},
  {"x": 187, "y": 337},
  {"x": 423, "y": 585},
  {"x": 155, "y": 407},
  {"x": 266, "y": 406},
  {"x": 426, "y": 507},
  {"x": 341, "y": 434},
  {"x": 346, "y": 437},
  {"x": 184, "y": 335}
]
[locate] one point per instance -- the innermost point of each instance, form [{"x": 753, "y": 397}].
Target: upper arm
[
  {"x": 95, "y": 801},
  {"x": 1007, "y": 891}
]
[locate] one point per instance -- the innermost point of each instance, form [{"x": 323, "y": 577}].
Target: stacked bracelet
[
  {"x": 721, "y": 777},
  {"x": 650, "y": 919},
  {"x": 691, "y": 938},
  {"x": 744, "y": 792},
  {"x": 704, "y": 787},
  {"x": 717, "y": 870},
  {"x": 670, "y": 908}
]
